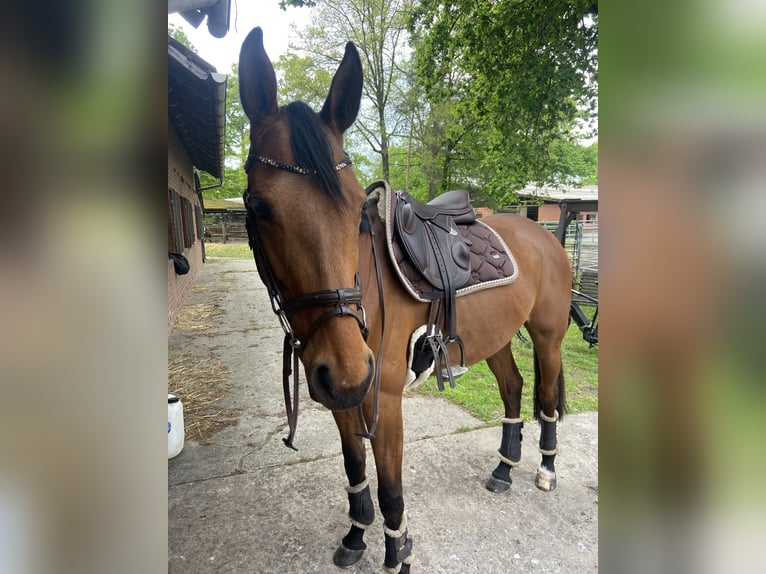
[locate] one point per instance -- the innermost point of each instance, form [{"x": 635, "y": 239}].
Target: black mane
[{"x": 312, "y": 149}]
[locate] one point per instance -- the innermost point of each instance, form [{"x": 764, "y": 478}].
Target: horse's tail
[{"x": 562, "y": 404}]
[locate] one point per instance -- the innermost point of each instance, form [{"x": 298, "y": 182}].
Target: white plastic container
[{"x": 175, "y": 426}]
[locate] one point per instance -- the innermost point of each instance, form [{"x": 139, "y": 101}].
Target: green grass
[
  {"x": 228, "y": 250},
  {"x": 477, "y": 391}
]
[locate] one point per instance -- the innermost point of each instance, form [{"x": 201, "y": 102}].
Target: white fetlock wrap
[
  {"x": 398, "y": 568},
  {"x": 548, "y": 419},
  {"x": 396, "y": 533},
  {"x": 358, "y": 487},
  {"x": 512, "y": 421},
  {"x": 508, "y": 461}
]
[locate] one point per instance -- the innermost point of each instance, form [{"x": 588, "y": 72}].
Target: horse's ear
[
  {"x": 342, "y": 103},
  {"x": 257, "y": 80}
]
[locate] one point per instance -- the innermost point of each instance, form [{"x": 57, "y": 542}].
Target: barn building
[{"x": 196, "y": 122}]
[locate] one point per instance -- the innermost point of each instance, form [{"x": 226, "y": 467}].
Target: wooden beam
[{"x": 569, "y": 210}]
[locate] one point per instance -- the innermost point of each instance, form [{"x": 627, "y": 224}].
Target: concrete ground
[{"x": 246, "y": 503}]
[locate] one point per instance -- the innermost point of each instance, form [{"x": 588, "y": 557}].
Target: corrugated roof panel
[{"x": 197, "y": 107}]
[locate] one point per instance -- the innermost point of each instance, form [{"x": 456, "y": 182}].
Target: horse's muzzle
[{"x": 338, "y": 395}]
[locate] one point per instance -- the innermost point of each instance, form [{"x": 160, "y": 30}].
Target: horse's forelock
[{"x": 311, "y": 148}]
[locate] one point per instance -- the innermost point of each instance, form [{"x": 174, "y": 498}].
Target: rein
[{"x": 339, "y": 301}]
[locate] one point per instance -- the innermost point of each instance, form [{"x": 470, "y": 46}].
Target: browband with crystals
[{"x": 252, "y": 158}]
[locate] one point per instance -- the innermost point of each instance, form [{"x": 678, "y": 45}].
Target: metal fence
[{"x": 581, "y": 243}]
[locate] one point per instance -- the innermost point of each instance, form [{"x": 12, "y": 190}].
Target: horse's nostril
[{"x": 323, "y": 380}]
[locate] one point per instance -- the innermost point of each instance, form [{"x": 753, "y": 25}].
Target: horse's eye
[{"x": 261, "y": 209}]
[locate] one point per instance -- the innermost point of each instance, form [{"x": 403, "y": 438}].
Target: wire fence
[{"x": 581, "y": 244}]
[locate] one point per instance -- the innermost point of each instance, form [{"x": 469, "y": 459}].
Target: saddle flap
[{"x": 433, "y": 245}]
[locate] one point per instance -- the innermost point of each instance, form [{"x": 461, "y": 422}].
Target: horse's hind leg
[
  {"x": 510, "y": 381},
  {"x": 549, "y": 399},
  {"x": 361, "y": 511}
]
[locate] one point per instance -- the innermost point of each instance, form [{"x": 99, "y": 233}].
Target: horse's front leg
[
  {"x": 510, "y": 381},
  {"x": 361, "y": 511},
  {"x": 387, "y": 447}
]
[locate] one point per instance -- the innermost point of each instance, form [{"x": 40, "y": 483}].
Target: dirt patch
[
  {"x": 591, "y": 390},
  {"x": 201, "y": 384}
]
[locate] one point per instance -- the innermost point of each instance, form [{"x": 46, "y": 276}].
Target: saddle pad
[{"x": 492, "y": 263}]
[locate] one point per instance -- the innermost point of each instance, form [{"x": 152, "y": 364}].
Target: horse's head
[{"x": 306, "y": 209}]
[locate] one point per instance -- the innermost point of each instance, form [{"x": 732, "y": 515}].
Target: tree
[
  {"x": 178, "y": 34},
  {"x": 378, "y": 29},
  {"x": 523, "y": 70},
  {"x": 302, "y": 79},
  {"x": 572, "y": 163}
]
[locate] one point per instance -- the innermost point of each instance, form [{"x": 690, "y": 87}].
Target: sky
[{"x": 245, "y": 15}]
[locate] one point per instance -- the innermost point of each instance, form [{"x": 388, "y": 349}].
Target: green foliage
[
  {"x": 296, "y": 3},
  {"x": 378, "y": 29},
  {"x": 486, "y": 99},
  {"x": 301, "y": 78},
  {"x": 521, "y": 72},
  {"x": 572, "y": 163},
  {"x": 177, "y": 33}
]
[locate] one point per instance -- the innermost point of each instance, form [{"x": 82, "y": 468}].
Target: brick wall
[
  {"x": 181, "y": 180},
  {"x": 552, "y": 212}
]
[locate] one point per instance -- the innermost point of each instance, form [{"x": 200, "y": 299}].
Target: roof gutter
[
  {"x": 194, "y": 11},
  {"x": 219, "y": 184},
  {"x": 220, "y": 117}
]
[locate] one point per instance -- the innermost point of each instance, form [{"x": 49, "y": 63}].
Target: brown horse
[{"x": 321, "y": 266}]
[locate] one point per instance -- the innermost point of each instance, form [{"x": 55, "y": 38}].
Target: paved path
[{"x": 248, "y": 504}]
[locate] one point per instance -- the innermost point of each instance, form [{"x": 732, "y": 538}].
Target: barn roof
[
  {"x": 197, "y": 107},
  {"x": 550, "y": 194}
]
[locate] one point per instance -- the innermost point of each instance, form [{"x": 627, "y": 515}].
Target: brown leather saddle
[
  {"x": 428, "y": 233},
  {"x": 441, "y": 251}
]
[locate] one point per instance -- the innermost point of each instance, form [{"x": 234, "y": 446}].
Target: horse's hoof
[
  {"x": 496, "y": 485},
  {"x": 346, "y": 557},
  {"x": 545, "y": 479}
]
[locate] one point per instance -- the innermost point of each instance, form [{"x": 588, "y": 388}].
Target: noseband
[{"x": 339, "y": 302}]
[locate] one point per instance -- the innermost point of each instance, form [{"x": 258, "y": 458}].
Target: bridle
[{"x": 339, "y": 301}]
